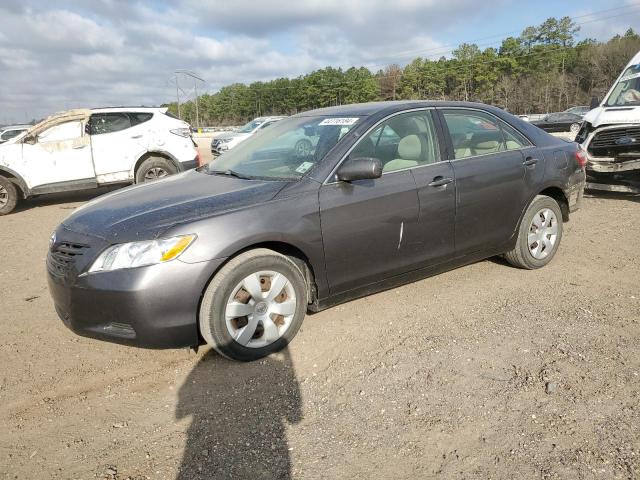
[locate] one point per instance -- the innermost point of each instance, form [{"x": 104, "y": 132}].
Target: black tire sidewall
[
  {"x": 154, "y": 162},
  {"x": 13, "y": 196},
  {"x": 537, "y": 205},
  {"x": 215, "y": 317}
]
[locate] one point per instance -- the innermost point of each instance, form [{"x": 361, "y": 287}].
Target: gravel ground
[{"x": 483, "y": 372}]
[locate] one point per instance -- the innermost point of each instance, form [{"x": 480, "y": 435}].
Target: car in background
[
  {"x": 12, "y": 131},
  {"x": 234, "y": 253},
  {"x": 581, "y": 110},
  {"x": 559, "y": 122},
  {"x": 84, "y": 149},
  {"x": 610, "y": 135},
  {"x": 228, "y": 140}
]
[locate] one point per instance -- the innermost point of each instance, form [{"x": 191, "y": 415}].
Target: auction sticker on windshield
[
  {"x": 304, "y": 166},
  {"x": 338, "y": 121}
]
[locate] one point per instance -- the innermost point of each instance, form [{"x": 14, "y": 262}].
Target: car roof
[
  {"x": 366, "y": 109},
  {"x": 128, "y": 109}
]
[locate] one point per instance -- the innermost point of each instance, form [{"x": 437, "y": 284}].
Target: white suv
[{"x": 83, "y": 149}]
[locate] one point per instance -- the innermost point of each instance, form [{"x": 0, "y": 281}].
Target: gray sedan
[{"x": 236, "y": 252}]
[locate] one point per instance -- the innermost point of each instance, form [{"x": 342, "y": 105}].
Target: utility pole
[
  {"x": 178, "y": 96},
  {"x": 195, "y": 89}
]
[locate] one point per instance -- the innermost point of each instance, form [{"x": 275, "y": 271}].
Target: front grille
[
  {"x": 62, "y": 257},
  {"x": 606, "y": 139}
]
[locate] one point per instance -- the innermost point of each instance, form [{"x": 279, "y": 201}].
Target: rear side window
[
  {"x": 109, "y": 122},
  {"x": 513, "y": 139},
  {"x": 139, "y": 117}
]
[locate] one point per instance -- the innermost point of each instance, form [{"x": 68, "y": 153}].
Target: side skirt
[
  {"x": 402, "y": 279},
  {"x": 84, "y": 184}
]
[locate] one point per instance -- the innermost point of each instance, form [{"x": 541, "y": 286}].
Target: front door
[
  {"x": 375, "y": 229},
  {"x": 59, "y": 158}
]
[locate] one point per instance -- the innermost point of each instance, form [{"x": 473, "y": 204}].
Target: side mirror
[
  {"x": 365, "y": 168},
  {"x": 29, "y": 139},
  {"x": 595, "y": 103}
]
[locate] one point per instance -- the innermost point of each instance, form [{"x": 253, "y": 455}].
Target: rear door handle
[
  {"x": 136, "y": 136},
  {"x": 78, "y": 147},
  {"x": 440, "y": 181},
  {"x": 530, "y": 161}
]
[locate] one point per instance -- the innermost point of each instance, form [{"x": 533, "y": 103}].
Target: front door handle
[
  {"x": 78, "y": 147},
  {"x": 530, "y": 161},
  {"x": 136, "y": 136},
  {"x": 440, "y": 181}
]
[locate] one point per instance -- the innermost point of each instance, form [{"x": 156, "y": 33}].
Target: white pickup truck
[
  {"x": 84, "y": 149},
  {"x": 610, "y": 135}
]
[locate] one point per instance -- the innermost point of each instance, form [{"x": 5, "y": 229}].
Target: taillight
[
  {"x": 581, "y": 158},
  {"x": 199, "y": 161}
]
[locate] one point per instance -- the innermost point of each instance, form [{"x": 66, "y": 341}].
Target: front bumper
[{"x": 152, "y": 307}]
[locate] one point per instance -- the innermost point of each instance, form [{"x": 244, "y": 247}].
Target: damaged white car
[
  {"x": 610, "y": 135},
  {"x": 84, "y": 149}
]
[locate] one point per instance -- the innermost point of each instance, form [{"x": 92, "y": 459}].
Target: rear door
[
  {"x": 118, "y": 140},
  {"x": 491, "y": 178}
]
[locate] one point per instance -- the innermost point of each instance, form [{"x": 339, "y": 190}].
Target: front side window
[
  {"x": 61, "y": 132},
  {"x": 473, "y": 133},
  {"x": 287, "y": 150},
  {"x": 109, "y": 122},
  {"x": 250, "y": 127},
  {"x": 627, "y": 90},
  {"x": 404, "y": 141}
]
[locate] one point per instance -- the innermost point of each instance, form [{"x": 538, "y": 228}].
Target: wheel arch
[
  {"x": 17, "y": 180},
  {"x": 156, "y": 153}
]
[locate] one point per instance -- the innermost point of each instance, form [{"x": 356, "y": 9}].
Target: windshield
[
  {"x": 251, "y": 126},
  {"x": 286, "y": 150},
  {"x": 627, "y": 90}
]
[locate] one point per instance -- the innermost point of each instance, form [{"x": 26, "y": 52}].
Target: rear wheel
[
  {"x": 8, "y": 196},
  {"x": 539, "y": 234},
  {"x": 254, "y": 305},
  {"x": 155, "y": 168}
]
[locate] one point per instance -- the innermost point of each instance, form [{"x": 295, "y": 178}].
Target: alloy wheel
[
  {"x": 543, "y": 233},
  {"x": 155, "y": 173},
  {"x": 260, "y": 309},
  {"x": 4, "y": 196}
]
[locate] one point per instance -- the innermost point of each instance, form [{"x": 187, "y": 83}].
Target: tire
[
  {"x": 155, "y": 168},
  {"x": 537, "y": 253},
  {"x": 8, "y": 196},
  {"x": 227, "y": 335},
  {"x": 574, "y": 128}
]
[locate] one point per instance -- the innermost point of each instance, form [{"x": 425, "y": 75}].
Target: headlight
[{"x": 138, "y": 254}]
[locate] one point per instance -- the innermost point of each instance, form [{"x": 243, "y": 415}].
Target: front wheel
[
  {"x": 254, "y": 305},
  {"x": 8, "y": 196},
  {"x": 539, "y": 234}
]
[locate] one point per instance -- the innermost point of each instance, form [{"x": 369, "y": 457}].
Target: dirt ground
[{"x": 483, "y": 372}]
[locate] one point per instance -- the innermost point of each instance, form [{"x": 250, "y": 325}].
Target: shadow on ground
[{"x": 239, "y": 416}]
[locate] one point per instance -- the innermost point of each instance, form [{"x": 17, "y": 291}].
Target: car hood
[
  {"x": 232, "y": 135},
  {"x": 146, "y": 211},
  {"x": 612, "y": 115}
]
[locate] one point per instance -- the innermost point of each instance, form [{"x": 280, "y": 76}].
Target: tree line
[{"x": 542, "y": 70}]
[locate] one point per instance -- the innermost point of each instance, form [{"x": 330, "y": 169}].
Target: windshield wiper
[{"x": 231, "y": 173}]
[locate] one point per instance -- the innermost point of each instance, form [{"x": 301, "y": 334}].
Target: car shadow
[
  {"x": 239, "y": 416},
  {"x": 63, "y": 197},
  {"x": 630, "y": 197}
]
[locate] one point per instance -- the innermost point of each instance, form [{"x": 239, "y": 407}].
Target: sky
[{"x": 71, "y": 53}]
